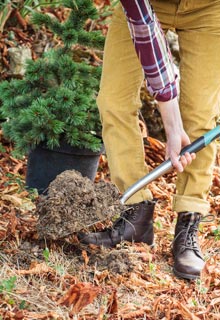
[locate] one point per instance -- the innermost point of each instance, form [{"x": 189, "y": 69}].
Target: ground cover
[{"x": 61, "y": 279}]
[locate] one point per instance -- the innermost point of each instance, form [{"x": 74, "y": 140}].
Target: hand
[
  {"x": 175, "y": 142},
  {"x": 176, "y": 135}
]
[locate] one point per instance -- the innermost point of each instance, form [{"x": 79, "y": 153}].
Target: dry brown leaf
[
  {"x": 136, "y": 281},
  {"x": 15, "y": 200},
  {"x": 214, "y": 316},
  {"x": 113, "y": 302},
  {"x": 20, "y": 19},
  {"x": 37, "y": 268},
  {"x": 156, "y": 144},
  {"x": 85, "y": 257},
  {"x": 3, "y": 18},
  {"x": 143, "y": 128},
  {"x": 187, "y": 314},
  {"x": 215, "y": 301},
  {"x": 101, "y": 276},
  {"x": 18, "y": 167},
  {"x": 40, "y": 316},
  {"x": 79, "y": 295},
  {"x": 129, "y": 311},
  {"x": 101, "y": 314},
  {"x": 102, "y": 2}
]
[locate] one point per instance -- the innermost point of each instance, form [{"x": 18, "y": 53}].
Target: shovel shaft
[{"x": 166, "y": 166}]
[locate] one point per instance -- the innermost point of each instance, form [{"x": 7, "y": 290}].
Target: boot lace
[
  {"x": 126, "y": 216},
  {"x": 190, "y": 230}
]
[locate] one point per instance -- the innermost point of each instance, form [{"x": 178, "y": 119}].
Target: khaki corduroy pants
[{"x": 197, "y": 24}]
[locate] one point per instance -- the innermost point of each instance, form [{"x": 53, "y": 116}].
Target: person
[{"x": 135, "y": 49}]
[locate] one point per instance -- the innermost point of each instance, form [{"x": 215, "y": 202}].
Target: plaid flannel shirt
[{"x": 152, "y": 49}]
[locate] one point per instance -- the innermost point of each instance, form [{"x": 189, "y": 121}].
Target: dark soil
[
  {"x": 74, "y": 203},
  {"x": 115, "y": 261}
]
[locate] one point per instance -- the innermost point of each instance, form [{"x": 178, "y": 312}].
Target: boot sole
[
  {"x": 185, "y": 275},
  {"x": 152, "y": 245}
]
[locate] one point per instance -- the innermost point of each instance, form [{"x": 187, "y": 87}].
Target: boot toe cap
[
  {"x": 98, "y": 239},
  {"x": 87, "y": 238},
  {"x": 188, "y": 266}
]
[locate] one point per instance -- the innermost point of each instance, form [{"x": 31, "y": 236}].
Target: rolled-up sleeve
[{"x": 152, "y": 49}]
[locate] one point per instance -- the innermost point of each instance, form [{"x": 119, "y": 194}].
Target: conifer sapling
[{"x": 56, "y": 99}]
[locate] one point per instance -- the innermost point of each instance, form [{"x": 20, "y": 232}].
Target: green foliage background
[{"x": 56, "y": 98}]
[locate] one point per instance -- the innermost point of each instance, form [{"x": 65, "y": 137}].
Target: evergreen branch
[
  {"x": 91, "y": 39},
  {"x": 51, "y": 23}
]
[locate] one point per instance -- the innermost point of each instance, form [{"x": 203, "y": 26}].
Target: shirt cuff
[{"x": 165, "y": 94}]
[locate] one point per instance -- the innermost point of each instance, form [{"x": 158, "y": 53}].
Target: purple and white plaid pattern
[{"x": 152, "y": 49}]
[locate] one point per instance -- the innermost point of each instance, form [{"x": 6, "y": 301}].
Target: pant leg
[
  {"x": 119, "y": 102},
  {"x": 199, "y": 38},
  {"x": 198, "y": 26}
]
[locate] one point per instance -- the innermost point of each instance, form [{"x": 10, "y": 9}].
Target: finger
[
  {"x": 177, "y": 164},
  {"x": 193, "y": 156},
  {"x": 184, "y": 161},
  {"x": 188, "y": 158}
]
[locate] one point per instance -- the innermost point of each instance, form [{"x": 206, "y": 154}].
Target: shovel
[{"x": 166, "y": 166}]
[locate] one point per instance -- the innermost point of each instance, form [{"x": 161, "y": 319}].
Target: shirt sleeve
[{"x": 152, "y": 49}]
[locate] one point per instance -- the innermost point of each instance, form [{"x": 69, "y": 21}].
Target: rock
[{"x": 18, "y": 57}]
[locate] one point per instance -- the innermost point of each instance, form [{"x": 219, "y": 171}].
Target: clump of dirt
[
  {"x": 98, "y": 259},
  {"x": 73, "y": 203},
  {"x": 115, "y": 261}
]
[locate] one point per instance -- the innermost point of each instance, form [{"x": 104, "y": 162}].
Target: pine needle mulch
[{"x": 53, "y": 281}]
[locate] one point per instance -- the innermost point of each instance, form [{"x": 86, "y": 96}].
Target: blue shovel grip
[
  {"x": 211, "y": 135},
  {"x": 202, "y": 142}
]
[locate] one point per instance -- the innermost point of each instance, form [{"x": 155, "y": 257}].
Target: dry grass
[
  {"x": 148, "y": 290},
  {"x": 40, "y": 280}
]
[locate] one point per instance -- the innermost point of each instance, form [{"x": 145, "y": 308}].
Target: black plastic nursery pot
[{"x": 44, "y": 164}]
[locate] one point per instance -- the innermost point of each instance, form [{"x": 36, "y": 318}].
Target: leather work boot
[
  {"x": 188, "y": 260},
  {"x": 134, "y": 224}
]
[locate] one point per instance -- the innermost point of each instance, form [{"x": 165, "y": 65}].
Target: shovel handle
[
  {"x": 202, "y": 142},
  {"x": 166, "y": 166}
]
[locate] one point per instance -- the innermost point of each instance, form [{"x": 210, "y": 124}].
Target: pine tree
[{"x": 56, "y": 98}]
